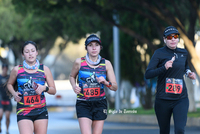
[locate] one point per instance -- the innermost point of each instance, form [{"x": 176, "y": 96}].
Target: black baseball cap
[
  {"x": 91, "y": 38},
  {"x": 170, "y": 30},
  {"x": 4, "y": 65}
]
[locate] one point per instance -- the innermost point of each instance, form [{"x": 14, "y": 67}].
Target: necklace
[
  {"x": 92, "y": 62},
  {"x": 31, "y": 67}
]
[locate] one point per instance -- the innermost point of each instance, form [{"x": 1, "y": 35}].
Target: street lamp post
[{"x": 116, "y": 60}]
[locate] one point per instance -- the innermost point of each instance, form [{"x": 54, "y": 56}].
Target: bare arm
[
  {"x": 11, "y": 82},
  {"x": 50, "y": 81},
  {"x": 110, "y": 76},
  {"x": 73, "y": 75}
]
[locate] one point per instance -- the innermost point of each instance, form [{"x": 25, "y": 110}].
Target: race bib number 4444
[{"x": 174, "y": 86}]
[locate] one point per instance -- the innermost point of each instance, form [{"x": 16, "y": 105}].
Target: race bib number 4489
[{"x": 174, "y": 86}]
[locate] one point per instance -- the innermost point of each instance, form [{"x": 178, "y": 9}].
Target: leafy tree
[
  {"x": 141, "y": 21},
  {"x": 18, "y": 28},
  {"x": 61, "y": 19}
]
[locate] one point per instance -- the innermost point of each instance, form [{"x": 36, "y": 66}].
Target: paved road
[{"x": 61, "y": 122}]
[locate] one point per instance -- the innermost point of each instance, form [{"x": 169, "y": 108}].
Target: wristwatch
[
  {"x": 110, "y": 84},
  {"x": 47, "y": 89}
]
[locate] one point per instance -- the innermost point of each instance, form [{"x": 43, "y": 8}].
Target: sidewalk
[{"x": 148, "y": 119}]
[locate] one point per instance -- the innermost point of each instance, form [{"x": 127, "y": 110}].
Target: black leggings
[{"x": 165, "y": 108}]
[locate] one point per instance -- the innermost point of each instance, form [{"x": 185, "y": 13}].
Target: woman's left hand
[
  {"x": 192, "y": 75},
  {"x": 102, "y": 80},
  {"x": 40, "y": 89}
]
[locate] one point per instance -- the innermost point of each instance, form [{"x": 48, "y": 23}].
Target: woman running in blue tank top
[
  {"x": 93, "y": 74},
  {"x": 32, "y": 114}
]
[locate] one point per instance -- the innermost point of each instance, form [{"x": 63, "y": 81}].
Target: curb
[
  {"x": 193, "y": 121},
  {"x": 131, "y": 118},
  {"x": 148, "y": 119}
]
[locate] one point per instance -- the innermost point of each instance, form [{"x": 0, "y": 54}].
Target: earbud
[{"x": 165, "y": 41}]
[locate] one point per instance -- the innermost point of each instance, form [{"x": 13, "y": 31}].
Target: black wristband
[{"x": 47, "y": 89}]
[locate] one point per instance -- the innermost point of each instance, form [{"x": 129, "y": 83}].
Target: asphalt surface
[{"x": 61, "y": 121}]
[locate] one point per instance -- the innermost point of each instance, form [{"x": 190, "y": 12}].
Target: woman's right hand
[
  {"x": 169, "y": 63},
  {"x": 77, "y": 89},
  {"x": 17, "y": 97}
]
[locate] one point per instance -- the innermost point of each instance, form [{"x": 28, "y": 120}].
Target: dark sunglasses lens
[
  {"x": 169, "y": 37},
  {"x": 175, "y": 36}
]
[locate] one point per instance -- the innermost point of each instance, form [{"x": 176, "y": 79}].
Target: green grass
[
  {"x": 141, "y": 111},
  {"x": 138, "y": 111},
  {"x": 194, "y": 114},
  {"x": 144, "y": 111}
]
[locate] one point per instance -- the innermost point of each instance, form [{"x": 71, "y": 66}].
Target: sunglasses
[{"x": 169, "y": 37}]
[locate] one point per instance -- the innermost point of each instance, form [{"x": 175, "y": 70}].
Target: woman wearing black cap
[
  {"x": 94, "y": 72},
  {"x": 169, "y": 63}
]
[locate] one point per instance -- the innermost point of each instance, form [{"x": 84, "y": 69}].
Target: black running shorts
[
  {"x": 94, "y": 110},
  {"x": 6, "y": 107},
  {"x": 43, "y": 115}
]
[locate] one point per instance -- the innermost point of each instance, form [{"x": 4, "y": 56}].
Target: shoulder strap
[
  {"x": 103, "y": 60},
  {"x": 83, "y": 61},
  {"x": 20, "y": 65},
  {"x": 20, "y": 69},
  {"x": 41, "y": 67}
]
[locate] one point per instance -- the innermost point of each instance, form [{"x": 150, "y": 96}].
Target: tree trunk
[{"x": 190, "y": 47}]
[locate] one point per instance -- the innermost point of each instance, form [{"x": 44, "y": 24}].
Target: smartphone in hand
[{"x": 34, "y": 85}]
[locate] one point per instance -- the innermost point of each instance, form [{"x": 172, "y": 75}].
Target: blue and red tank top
[
  {"x": 91, "y": 90},
  {"x": 31, "y": 103}
]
